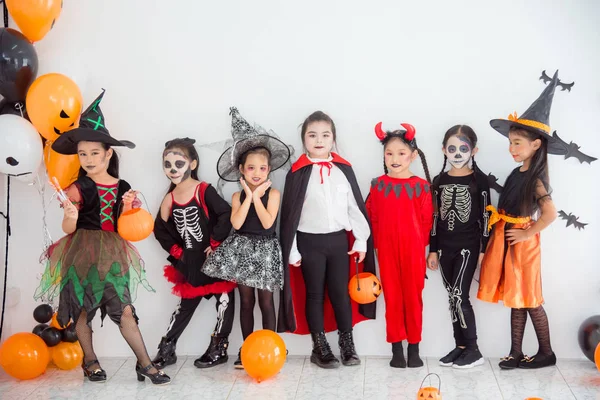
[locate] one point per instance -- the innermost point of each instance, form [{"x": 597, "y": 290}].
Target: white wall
[{"x": 173, "y": 70}]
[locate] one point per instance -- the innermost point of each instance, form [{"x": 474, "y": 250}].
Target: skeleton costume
[{"x": 192, "y": 227}]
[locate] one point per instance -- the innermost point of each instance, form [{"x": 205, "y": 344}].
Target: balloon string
[
  {"x": 7, "y": 217},
  {"x": 41, "y": 187}
]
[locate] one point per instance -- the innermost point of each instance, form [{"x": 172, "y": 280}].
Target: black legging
[
  {"x": 325, "y": 263},
  {"x": 458, "y": 266},
  {"x": 267, "y": 309}
]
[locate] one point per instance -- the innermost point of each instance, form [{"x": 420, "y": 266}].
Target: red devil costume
[
  {"x": 401, "y": 213},
  {"x": 317, "y": 211}
]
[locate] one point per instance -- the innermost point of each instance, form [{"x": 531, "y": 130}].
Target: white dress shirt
[{"x": 329, "y": 207}]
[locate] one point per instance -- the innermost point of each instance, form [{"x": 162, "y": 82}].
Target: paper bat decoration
[
  {"x": 493, "y": 182},
  {"x": 564, "y": 86},
  {"x": 571, "y": 220},
  {"x": 572, "y": 150}
]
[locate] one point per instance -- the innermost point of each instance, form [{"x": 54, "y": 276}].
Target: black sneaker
[
  {"x": 449, "y": 358},
  {"x": 469, "y": 359},
  {"x": 510, "y": 362},
  {"x": 238, "y": 363}
]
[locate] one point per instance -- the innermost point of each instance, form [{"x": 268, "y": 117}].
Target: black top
[
  {"x": 89, "y": 215},
  {"x": 460, "y": 218},
  {"x": 510, "y": 196},
  {"x": 252, "y": 224}
]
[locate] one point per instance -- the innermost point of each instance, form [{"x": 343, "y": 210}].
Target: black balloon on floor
[
  {"x": 42, "y": 313},
  {"x": 39, "y": 328},
  {"x": 51, "y": 336},
  {"x": 69, "y": 334},
  {"x": 589, "y": 336}
]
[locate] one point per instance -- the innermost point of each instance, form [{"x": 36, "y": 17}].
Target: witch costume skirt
[
  {"x": 91, "y": 270},
  {"x": 249, "y": 260}
]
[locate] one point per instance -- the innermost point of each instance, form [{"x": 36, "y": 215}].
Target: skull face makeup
[
  {"x": 176, "y": 166},
  {"x": 459, "y": 151}
]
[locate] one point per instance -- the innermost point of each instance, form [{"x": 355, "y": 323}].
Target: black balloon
[
  {"x": 18, "y": 64},
  {"x": 51, "y": 336},
  {"x": 69, "y": 334},
  {"x": 39, "y": 328},
  {"x": 42, "y": 313},
  {"x": 589, "y": 336},
  {"x": 14, "y": 108}
]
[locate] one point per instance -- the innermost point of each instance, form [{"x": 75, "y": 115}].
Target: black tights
[
  {"x": 518, "y": 320},
  {"x": 267, "y": 308}
]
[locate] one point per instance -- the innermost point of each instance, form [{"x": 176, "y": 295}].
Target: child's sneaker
[
  {"x": 449, "y": 358},
  {"x": 468, "y": 359}
]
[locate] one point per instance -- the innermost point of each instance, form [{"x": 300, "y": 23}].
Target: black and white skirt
[{"x": 248, "y": 260}]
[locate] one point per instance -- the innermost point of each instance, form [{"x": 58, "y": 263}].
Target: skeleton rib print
[
  {"x": 455, "y": 203},
  {"x": 187, "y": 221}
]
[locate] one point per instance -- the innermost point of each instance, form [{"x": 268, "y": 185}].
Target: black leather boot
[
  {"x": 166, "y": 353},
  {"x": 215, "y": 354},
  {"x": 414, "y": 361},
  {"x": 321, "y": 353},
  {"x": 347, "y": 350},
  {"x": 398, "y": 360}
]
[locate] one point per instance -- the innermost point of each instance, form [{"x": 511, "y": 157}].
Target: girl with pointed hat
[
  {"x": 93, "y": 268},
  {"x": 511, "y": 267}
]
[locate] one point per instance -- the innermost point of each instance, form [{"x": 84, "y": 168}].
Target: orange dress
[{"x": 511, "y": 273}]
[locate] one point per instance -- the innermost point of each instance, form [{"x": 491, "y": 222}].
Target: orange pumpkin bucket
[
  {"x": 430, "y": 392},
  {"x": 135, "y": 224},
  {"x": 364, "y": 287}
]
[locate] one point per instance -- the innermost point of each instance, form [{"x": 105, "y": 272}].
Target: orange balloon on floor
[
  {"x": 263, "y": 354},
  {"x": 54, "y": 105},
  {"x": 64, "y": 167},
  {"x": 34, "y": 18},
  {"x": 597, "y": 356},
  {"x": 24, "y": 356},
  {"x": 67, "y": 355}
]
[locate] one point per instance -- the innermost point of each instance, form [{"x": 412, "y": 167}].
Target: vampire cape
[{"x": 292, "y": 304}]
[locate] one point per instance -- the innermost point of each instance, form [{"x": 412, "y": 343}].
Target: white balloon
[{"x": 20, "y": 148}]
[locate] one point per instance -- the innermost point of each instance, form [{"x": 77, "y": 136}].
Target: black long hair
[
  {"x": 412, "y": 144},
  {"x": 187, "y": 145},
  {"x": 113, "y": 164},
  {"x": 317, "y": 116},
  {"x": 538, "y": 171}
]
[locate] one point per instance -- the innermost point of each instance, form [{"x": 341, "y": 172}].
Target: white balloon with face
[
  {"x": 458, "y": 152},
  {"x": 176, "y": 166},
  {"x": 20, "y": 148}
]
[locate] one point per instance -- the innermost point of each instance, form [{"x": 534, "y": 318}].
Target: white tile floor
[{"x": 300, "y": 379}]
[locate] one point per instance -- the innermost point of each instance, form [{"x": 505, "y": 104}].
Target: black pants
[
  {"x": 225, "y": 305},
  {"x": 458, "y": 267},
  {"x": 325, "y": 263}
]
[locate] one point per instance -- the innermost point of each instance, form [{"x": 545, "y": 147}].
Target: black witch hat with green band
[{"x": 92, "y": 128}]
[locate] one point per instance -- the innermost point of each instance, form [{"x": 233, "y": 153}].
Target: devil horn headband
[{"x": 409, "y": 135}]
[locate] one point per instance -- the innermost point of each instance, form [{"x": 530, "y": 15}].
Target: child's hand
[
  {"x": 297, "y": 263},
  {"x": 247, "y": 190},
  {"x": 129, "y": 197},
  {"x": 433, "y": 261},
  {"x": 261, "y": 189},
  {"x": 360, "y": 254},
  {"x": 208, "y": 251},
  {"x": 514, "y": 236},
  {"x": 70, "y": 210}
]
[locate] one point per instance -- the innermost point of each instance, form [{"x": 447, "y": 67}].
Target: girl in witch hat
[
  {"x": 93, "y": 268},
  {"x": 511, "y": 268},
  {"x": 192, "y": 222},
  {"x": 459, "y": 237},
  {"x": 321, "y": 203},
  {"x": 401, "y": 213},
  {"x": 251, "y": 256}
]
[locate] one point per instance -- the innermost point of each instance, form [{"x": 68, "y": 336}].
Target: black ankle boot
[
  {"x": 321, "y": 353},
  {"x": 166, "y": 353},
  {"x": 215, "y": 354},
  {"x": 414, "y": 361},
  {"x": 347, "y": 350},
  {"x": 398, "y": 360}
]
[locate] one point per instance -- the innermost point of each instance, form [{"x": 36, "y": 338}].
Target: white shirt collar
[{"x": 316, "y": 160}]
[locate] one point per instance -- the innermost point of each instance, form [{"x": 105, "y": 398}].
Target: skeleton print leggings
[{"x": 458, "y": 267}]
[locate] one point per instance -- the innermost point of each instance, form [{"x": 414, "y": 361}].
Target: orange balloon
[
  {"x": 34, "y": 18},
  {"x": 597, "y": 356},
  {"x": 64, "y": 167},
  {"x": 24, "y": 356},
  {"x": 263, "y": 354},
  {"x": 67, "y": 355},
  {"x": 135, "y": 225},
  {"x": 54, "y": 105},
  {"x": 364, "y": 288},
  {"x": 54, "y": 322}
]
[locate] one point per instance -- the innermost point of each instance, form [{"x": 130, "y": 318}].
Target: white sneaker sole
[
  {"x": 476, "y": 363},
  {"x": 446, "y": 364}
]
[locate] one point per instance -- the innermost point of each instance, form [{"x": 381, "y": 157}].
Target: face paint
[
  {"x": 176, "y": 166},
  {"x": 458, "y": 151}
]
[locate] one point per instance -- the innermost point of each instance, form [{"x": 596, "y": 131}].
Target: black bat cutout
[
  {"x": 564, "y": 86},
  {"x": 572, "y": 150},
  {"x": 571, "y": 220},
  {"x": 493, "y": 182}
]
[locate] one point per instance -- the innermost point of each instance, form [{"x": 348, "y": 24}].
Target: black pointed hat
[
  {"x": 247, "y": 137},
  {"x": 92, "y": 128},
  {"x": 536, "y": 118}
]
